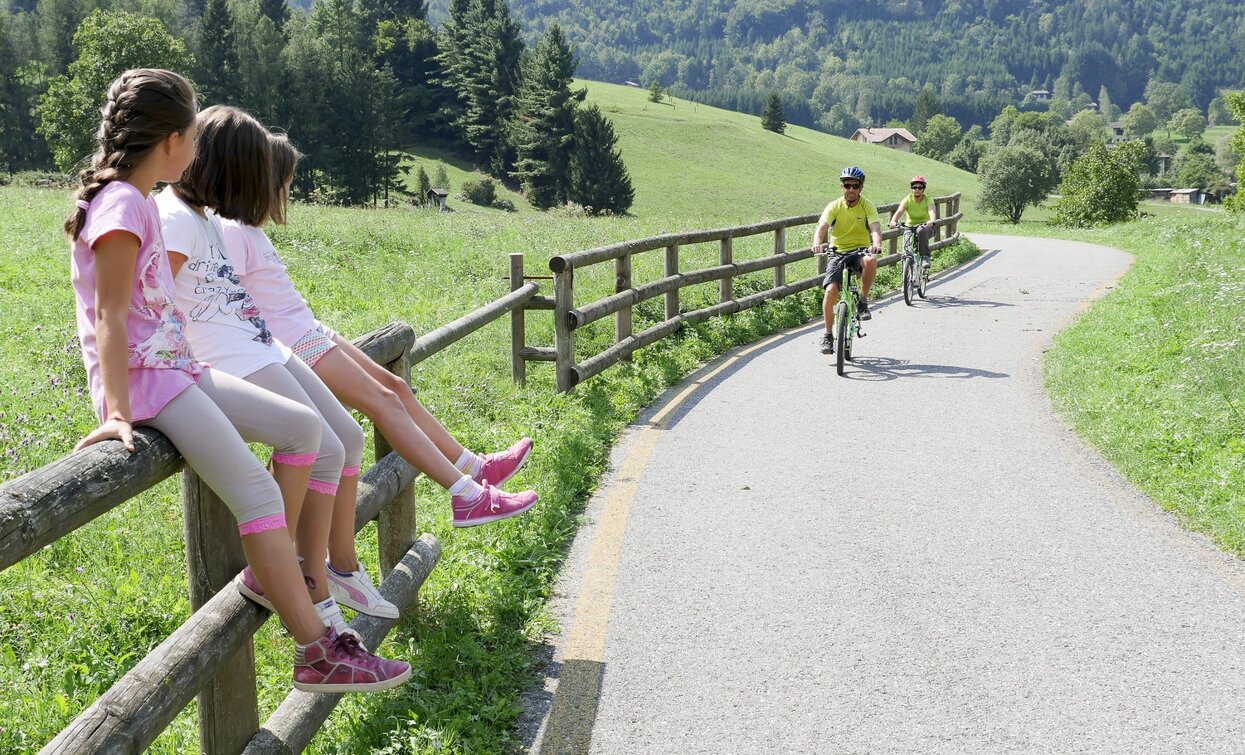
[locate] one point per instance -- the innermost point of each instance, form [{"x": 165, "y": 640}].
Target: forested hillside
[{"x": 840, "y": 62}]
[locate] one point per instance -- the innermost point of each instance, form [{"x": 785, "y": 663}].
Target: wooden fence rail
[{"x": 568, "y": 318}]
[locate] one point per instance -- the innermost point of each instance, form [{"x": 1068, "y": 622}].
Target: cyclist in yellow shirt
[
  {"x": 852, "y": 223},
  {"x": 921, "y": 211}
]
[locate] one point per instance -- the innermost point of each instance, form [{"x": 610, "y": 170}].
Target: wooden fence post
[
  {"x": 672, "y": 268},
  {"x": 780, "y": 247},
  {"x": 228, "y": 707},
  {"x": 518, "y": 324},
  {"x": 396, "y": 531},
  {"x": 622, "y": 282},
  {"x": 726, "y": 286},
  {"x": 563, "y": 336}
]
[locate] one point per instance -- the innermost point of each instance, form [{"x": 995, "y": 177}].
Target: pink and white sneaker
[
  {"x": 248, "y": 585},
  {"x": 338, "y": 663},
  {"x": 501, "y": 466},
  {"x": 355, "y": 590},
  {"x": 331, "y": 614},
  {"x": 491, "y": 505}
]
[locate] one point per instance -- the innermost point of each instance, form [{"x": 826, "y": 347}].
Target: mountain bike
[
  {"x": 847, "y": 322},
  {"x": 915, "y": 274}
]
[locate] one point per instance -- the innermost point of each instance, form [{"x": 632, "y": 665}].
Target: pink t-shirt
[
  {"x": 160, "y": 360},
  {"x": 263, "y": 273}
]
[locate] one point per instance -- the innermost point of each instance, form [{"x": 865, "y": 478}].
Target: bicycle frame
[{"x": 847, "y": 323}]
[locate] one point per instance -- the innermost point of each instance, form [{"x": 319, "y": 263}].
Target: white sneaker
[
  {"x": 331, "y": 614},
  {"x": 355, "y": 590}
]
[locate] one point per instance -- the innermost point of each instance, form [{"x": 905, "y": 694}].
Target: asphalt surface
[{"x": 917, "y": 557}]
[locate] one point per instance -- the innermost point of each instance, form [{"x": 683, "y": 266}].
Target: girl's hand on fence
[{"x": 112, "y": 429}]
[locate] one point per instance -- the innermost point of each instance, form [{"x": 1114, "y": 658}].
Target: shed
[
  {"x": 894, "y": 138},
  {"x": 1040, "y": 95},
  {"x": 437, "y": 196},
  {"x": 1187, "y": 196}
]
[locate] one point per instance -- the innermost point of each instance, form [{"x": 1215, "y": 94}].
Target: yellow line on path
[{"x": 596, "y": 594}]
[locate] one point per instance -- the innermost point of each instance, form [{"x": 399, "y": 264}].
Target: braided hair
[{"x": 145, "y": 106}]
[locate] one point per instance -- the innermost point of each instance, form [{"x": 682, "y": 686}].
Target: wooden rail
[
  {"x": 568, "y": 318},
  {"x": 210, "y": 655}
]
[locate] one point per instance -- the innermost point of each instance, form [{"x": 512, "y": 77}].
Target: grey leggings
[
  {"x": 341, "y": 438},
  {"x": 210, "y": 424}
]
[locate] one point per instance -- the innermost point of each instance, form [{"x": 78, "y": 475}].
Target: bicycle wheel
[
  {"x": 841, "y": 325},
  {"x": 923, "y": 281},
  {"x": 907, "y": 281}
]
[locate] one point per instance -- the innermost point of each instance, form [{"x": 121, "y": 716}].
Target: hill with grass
[{"x": 694, "y": 165}]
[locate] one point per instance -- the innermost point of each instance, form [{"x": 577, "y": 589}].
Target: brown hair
[
  {"x": 231, "y": 172},
  {"x": 144, "y": 106},
  {"x": 285, "y": 158}
]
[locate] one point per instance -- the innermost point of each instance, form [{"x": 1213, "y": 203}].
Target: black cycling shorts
[{"x": 834, "y": 271}]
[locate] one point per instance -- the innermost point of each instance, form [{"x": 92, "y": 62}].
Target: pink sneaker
[
  {"x": 338, "y": 663},
  {"x": 501, "y": 466},
  {"x": 490, "y": 506},
  {"x": 248, "y": 585}
]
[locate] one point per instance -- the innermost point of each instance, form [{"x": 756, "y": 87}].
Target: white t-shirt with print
[
  {"x": 263, "y": 273},
  {"x": 224, "y": 324}
]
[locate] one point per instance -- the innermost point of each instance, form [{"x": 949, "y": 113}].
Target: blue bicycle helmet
[{"x": 852, "y": 172}]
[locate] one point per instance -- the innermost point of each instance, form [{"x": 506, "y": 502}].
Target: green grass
[
  {"x": 81, "y": 612},
  {"x": 1153, "y": 376}
]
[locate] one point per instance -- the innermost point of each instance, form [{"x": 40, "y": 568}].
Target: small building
[
  {"x": 894, "y": 138},
  {"x": 437, "y": 197},
  {"x": 1187, "y": 196},
  {"x": 1164, "y": 161},
  {"x": 1117, "y": 131},
  {"x": 1040, "y": 95},
  {"x": 1158, "y": 195}
]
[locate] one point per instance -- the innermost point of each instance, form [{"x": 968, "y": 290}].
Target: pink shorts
[{"x": 312, "y": 347}]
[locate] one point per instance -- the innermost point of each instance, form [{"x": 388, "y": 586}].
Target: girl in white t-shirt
[
  {"x": 473, "y": 481},
  {"x": 141, "y": 370}
]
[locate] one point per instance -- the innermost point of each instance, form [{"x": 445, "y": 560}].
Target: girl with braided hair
[{"x": 141, "y": 370}]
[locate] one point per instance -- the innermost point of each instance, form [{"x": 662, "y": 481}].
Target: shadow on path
[{"x": 879, "y": 369}]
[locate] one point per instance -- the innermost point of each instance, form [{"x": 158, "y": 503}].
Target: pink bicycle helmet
[{"x": 917, "y": 180}]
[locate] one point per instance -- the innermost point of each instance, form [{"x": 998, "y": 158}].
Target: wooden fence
[
  {"x": 210, "y": 655},
  {"x": 567, "y": 318}
]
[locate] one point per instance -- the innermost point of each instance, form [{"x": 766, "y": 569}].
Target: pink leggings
[{"x": 211, "y": 423}]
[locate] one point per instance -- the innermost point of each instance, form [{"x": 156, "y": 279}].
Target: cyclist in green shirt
[
  {"x": 921, "y": 211},
  {"x": 852, "y": 223}
]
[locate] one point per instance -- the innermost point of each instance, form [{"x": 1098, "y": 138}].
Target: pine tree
[
  {"x": 216, "y": 54},
  {"x": 441, "y": 179},
  {"x": 422, "y": 185},
  {"x": 599, "y": 180},
  {"x": 277, "y": 10},
  {"x": 480, "y": 55},
  {"x": 772, "y": 118},
  {"x": 545, "y": 132},
  {"x": 926, "y": 108},
  {"x": 654, "y": 91}
]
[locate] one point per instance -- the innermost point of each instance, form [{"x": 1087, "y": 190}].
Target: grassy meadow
[{"x": 80, "y": 613}]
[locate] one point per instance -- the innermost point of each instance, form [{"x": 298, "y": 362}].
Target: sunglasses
[
  {"x": 918, "y": 186},
  {"x": 852, "y": 187}
]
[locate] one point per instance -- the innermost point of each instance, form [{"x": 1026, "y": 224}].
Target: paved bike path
[{"x": 917, "y": 557}]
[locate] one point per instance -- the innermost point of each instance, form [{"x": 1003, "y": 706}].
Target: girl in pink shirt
[
  {"x": 141, "y": 370},
  {"x": 358, "y": 382}
]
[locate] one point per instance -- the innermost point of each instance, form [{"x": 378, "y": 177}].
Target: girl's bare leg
[
  {"x": 355, "y": 388},
  {"x": 271, "y": 557},
  {"x": 342, "y": 554},
  {"x": 311, "y": 540},
  {"x": 436, "y": 432}
]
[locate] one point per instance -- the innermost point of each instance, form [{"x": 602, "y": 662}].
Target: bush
[
  {"x": 505, "y": 204},
  {"x": 481, "y": 191},
  {"x": 1101, "y": 187}
]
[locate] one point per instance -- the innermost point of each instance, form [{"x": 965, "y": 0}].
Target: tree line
[
  {"x": 839, "y": 65},
  {"x": 353, "y": 82}
]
